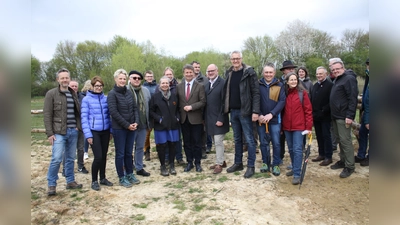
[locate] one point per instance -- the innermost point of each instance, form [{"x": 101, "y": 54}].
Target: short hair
[
  {"x": 62, "y": 70},
  {"x": 236, "y": 52},
  {"x": 164, "y": 77},
  {"x": 119, "y": 71},
  {"x": 302, "y": 68},
  {"x": 331, "y": 61},
  {"x": 168, "y": 68},
  {"x": 269, "y": 64},
  {"x": 194, "y": 63},
  {"x": 188, "y": 67},
  {"x": 87, "y": 86},
  {"x": 321, "y": 68},
  {"x": 148, "y": 71},
  {"x": 97, "y": 79},
  {"x": 340, "y": 62}
]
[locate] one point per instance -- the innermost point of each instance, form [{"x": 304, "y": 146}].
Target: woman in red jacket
[{"x": 296, "y": 121}]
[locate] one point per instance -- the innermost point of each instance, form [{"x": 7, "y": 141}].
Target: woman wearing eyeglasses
[
  {"x": 124, "y": 120},
  {"x": 96, "y": 126}
]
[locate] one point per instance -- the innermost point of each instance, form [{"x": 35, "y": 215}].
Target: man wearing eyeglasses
[
  {"x": 242, "y": 100},
  {"x": 141, "y": 97},
  {"x": 151, "y": 84},
  {"x": 62, "y": 122},
  {"x": 343, "y": 104}
]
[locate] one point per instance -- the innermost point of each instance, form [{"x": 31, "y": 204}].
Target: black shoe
[
  {"x": 106, "y": 182},
  {"x": 51, "y": 191},
  {"x": 208, "y": 150},
  {"x": 346, "y": 172},
  {"x": 357, "y": 159},
  {"x": 365, "y": 162},
  {"x": 338, "y": 165},
  {"x": 188, "y": 167},
  {"x": 172, "y": 170},
  {"x": 180, "y": 161},
  {"x": 95, "y": 186},
  {"x": 83, "y": 170},
  {"x": 143, "y": 172},
  {"x": 198, "y": 168},
  {"x": 249, "y": 172},
  {"x": 235, "y": 167},
  {"x": 164, "y": 171}
]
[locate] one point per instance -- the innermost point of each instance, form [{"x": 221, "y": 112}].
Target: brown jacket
[
  {"x": 55, "y": 111},
  {"x": 197, "y": 99}
]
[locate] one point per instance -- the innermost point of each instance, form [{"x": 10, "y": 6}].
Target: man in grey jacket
[
  {"x": 141, "y": 96},
  {"x": 62, "y": 121}
]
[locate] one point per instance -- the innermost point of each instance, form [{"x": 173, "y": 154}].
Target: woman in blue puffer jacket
[{"x": 96, "y": 127}]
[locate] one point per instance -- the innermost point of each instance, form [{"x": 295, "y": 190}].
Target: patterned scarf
[{"x": 165, "y": 95}]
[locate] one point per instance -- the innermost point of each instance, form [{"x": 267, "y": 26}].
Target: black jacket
[
  {"x": 249, "y": 91},
  {"x": 122, "y": 107},
  {"x": 343, "y": 98},
  {"x": 166, "y": 110},
  {"x": 320, "y": 94}
]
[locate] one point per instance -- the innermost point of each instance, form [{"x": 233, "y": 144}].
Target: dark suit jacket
[
  {"x": 214, "y": 108},
  {"x": 197, "y": 100}
]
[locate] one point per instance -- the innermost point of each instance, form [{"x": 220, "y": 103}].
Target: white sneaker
[{"x": 85, "y": 155}]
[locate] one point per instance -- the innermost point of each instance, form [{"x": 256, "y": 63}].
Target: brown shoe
[
  {"x": 213, "y": 166},
  {"x": 319, "y": 158},
  {"x": 326, "y": 162},
  {"x": 51, "y": 191},
  {"x": 74, "y": 185},
  {"x": 217, "y": 169}
]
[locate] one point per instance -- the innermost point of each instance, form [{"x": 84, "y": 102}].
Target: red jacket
[{"x": 297, "y": 116}]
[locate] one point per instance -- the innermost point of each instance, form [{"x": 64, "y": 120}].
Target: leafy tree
[
  {"x": 258, "y": 51},
  {"x": 35, "y": 70},
  {"x": 91, "y": 58}
]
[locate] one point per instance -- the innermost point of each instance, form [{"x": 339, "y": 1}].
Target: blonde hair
[
  {"x": 119, "y": 71},
  {"x": 87, "y": 86}
]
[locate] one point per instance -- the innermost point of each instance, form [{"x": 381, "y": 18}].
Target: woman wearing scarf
[{"x": 164, "y": 118}]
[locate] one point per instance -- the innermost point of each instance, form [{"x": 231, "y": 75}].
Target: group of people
[{"x": 199, "y": 110}]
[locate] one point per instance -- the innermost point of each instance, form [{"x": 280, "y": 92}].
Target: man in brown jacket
[
  {"x": 192, "y": 100},
  {"x": 62, "y": 121}
]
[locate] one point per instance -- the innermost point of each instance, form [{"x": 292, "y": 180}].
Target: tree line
[{"x": 298, "y": 42}]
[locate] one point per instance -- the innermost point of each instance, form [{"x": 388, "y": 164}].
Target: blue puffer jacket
[{"x": 94, "y": 113}]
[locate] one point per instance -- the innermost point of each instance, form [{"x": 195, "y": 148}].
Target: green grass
[
  {"x": 223, "y": 179},
  {"x": 179, "y": 204},
  {"x": 34, "y": 196},
  {"x": 138, "y": 217},
  {"x": 236, "y": 173},
  {"x": 155, "y": 199},
  {"x": 141, "y": 205},
  {"x": 262, "y": 175},
  {"x": 193, "y": 190},
  {"x": 198, "y": 177},
  {"x": 198, "y": 208}
]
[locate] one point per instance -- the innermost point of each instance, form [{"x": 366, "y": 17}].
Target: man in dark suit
[
  {"x": 192, "y": 100},
  {"x": 217, "y": 122}
]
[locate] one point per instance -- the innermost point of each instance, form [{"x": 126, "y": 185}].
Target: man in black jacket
[
  {"x": 320, "y": 94},
  {"x": 343, "y": 103},
  {"x": 242, "y": 100}
]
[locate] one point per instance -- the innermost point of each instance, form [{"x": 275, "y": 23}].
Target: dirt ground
[{"x": 202, "y": 198}]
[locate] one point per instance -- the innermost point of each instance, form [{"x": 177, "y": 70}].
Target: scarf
[
  {"x": 139, "y": 100},
  {"x": 165, "y": 95}
]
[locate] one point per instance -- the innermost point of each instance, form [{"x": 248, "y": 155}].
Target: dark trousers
[
  {"x": 192, "y": 140},
  {"x": 100, "y": 144},
  {"x": 324, "y": 139},
  {"x": 282, "y": 143},
  {"x": 161, "y": 150}
]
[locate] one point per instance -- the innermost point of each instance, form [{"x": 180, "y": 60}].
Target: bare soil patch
[{"x": 202, "y": 198}]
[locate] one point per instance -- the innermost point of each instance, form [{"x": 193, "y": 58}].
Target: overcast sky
[{"x": 180, "y": 27}]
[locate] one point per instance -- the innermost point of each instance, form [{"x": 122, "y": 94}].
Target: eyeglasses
[
  {"x": 136, "y": 78},
  {"x": 237, "y": 59},
  {"x": 98, "y": 86}
]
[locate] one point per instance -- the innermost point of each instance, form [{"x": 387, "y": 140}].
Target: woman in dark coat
[
  {"x": 164, "y": 118},
  {"x": 125, "y": 118}
]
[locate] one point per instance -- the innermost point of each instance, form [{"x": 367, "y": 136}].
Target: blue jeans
[
  {"x": 363, "y": 140},
  {"x": 265, "y": 139},
  {"x": 243, "y": 124},
  {"x": 123, "y": 141},
  {"x": 139, "y": 145},
  {"x": 63, "y": 145},
  {"x": 294, "y": 141}
]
